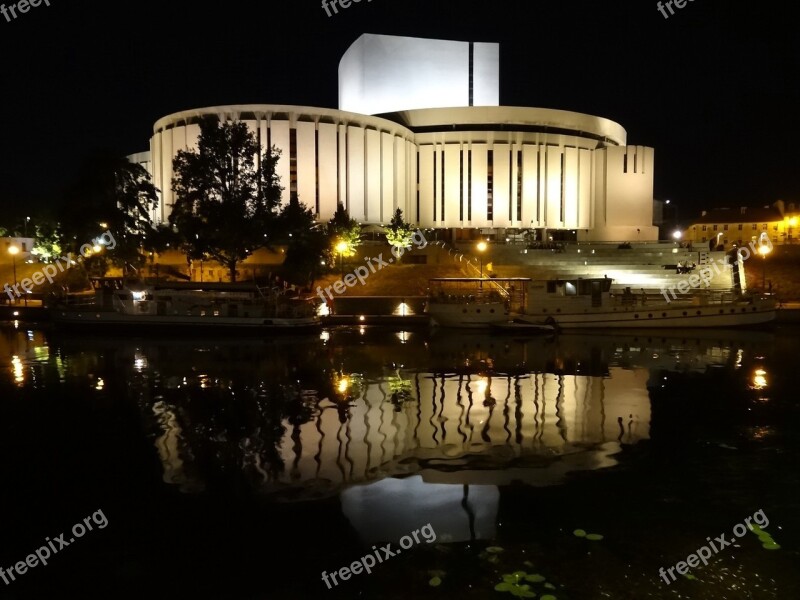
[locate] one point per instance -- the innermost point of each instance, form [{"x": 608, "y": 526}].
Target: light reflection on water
[
  {"x": 405, "y": 430},
  {"x": 310, "y": 417}
]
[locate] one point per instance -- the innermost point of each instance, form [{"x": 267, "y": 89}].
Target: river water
[{"x": 242, "y": 468}]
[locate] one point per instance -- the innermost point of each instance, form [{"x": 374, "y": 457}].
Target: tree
[
  {"x": 226, "y": 194},
  {"x": 344, "y": 230},
  {"x": 399, "y": 233},
  {"x": 110, "y": 194},
  {"x": 307, "y": 244},
  {"x": 47, "y": 245},
  {"x": 161, "y": 238}
]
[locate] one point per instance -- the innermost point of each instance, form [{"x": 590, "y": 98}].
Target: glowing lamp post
[
  {"x": 481, "y": 247},
  {"x": 763, "y": 250},
  {"x": 13, "y": 251},
  {"x": 341, "y": 248}
]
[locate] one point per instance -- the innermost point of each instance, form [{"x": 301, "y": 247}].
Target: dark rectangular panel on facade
[{"x": 490, "y": 185}]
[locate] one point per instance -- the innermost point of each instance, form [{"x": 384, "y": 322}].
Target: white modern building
[{"x": 419, "y": 127}]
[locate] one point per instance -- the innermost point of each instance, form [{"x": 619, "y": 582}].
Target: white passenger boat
[
  {"x": 186, "y": 306},
  {"x": 578, "y": 303}
]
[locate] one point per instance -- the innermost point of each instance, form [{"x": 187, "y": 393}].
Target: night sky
[{"x": 714, "y": 88}]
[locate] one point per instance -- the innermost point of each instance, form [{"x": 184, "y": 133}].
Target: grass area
[
  {"x": 395, "y": 280},
  {"x": 23, "y": 271}
]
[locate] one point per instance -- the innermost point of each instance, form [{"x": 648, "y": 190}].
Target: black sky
[{"x": 714, "y": 88}]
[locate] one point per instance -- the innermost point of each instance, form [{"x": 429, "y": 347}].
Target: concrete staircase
[{"x": 651, "y": 267}]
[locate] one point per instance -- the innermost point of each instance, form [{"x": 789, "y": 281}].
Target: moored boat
[
  {"x": 588, "y": 303},
  {"x": 185, "y": 306},
  {"x": 469, "y": 302}
]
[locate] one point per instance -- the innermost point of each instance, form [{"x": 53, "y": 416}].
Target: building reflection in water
[
  {"x": 460, "y": 428},
  {"x": 398, "y": 427}
]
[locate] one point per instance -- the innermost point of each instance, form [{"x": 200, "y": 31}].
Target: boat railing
[
  {"x": 698, "y": 297},
  {"x": 77, "y": 300},
  {"x": 488, "y": 280},
  {"x": 477, "y": 298}
]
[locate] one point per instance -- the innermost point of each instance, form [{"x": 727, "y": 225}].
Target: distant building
[
  {"x": 419, "y": 127},
  {"x": 24, "y": 246},
  {"x": 742, "y": 225}
]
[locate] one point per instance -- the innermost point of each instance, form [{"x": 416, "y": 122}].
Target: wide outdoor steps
[{"x": 648, "y": 267}]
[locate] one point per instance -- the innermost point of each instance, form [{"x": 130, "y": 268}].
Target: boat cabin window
[{"x": 579, "y": 287}]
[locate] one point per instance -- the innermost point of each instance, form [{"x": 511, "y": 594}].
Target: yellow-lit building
[
  {"x": 779, "y": 222},
  {"x": 420, "y": 127}
]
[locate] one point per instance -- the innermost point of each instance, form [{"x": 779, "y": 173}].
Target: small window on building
[
  {"x": 705, "y": 227},
  {"x": 715, "y": 227},
  {"x": 765, "y": 227},
  {"x": 755, "y": 226},
  {"x": 774, "y": 228},
  {"x": 740, "y": 226},
  {"x": 725, "y": 227}
]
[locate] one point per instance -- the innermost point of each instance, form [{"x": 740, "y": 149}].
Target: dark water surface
[{"x": 234, "y": 468}]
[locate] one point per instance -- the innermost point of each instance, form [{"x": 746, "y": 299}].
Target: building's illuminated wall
[
  {"x": 486, "y": 74},
  {"x": 480, "y": 165},
  {"x": 623, "y": 185},
  {"x": 385, "y": 73},
  {"x": 367, "y": 163},
  {"x": 548, "y": 169}
]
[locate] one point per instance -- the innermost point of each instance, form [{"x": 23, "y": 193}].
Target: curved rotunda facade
[{"x": 461, "y": 167}]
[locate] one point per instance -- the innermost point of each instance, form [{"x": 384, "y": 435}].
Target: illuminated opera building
[{"x": 420, "y": 127}]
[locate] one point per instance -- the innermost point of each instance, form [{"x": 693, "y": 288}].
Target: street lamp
[
  {"x": 481, "y": 247},
  {"x": 341, "y": 248},
  {"x": 763, "y": 250},
  {"x": 13, "y": 251},
  {"x": 677, "y": 234}
]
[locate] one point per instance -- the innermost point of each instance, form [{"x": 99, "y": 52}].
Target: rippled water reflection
[
  {"x": 403, "y": 426},
  {"x": 309, "y": 417}
]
